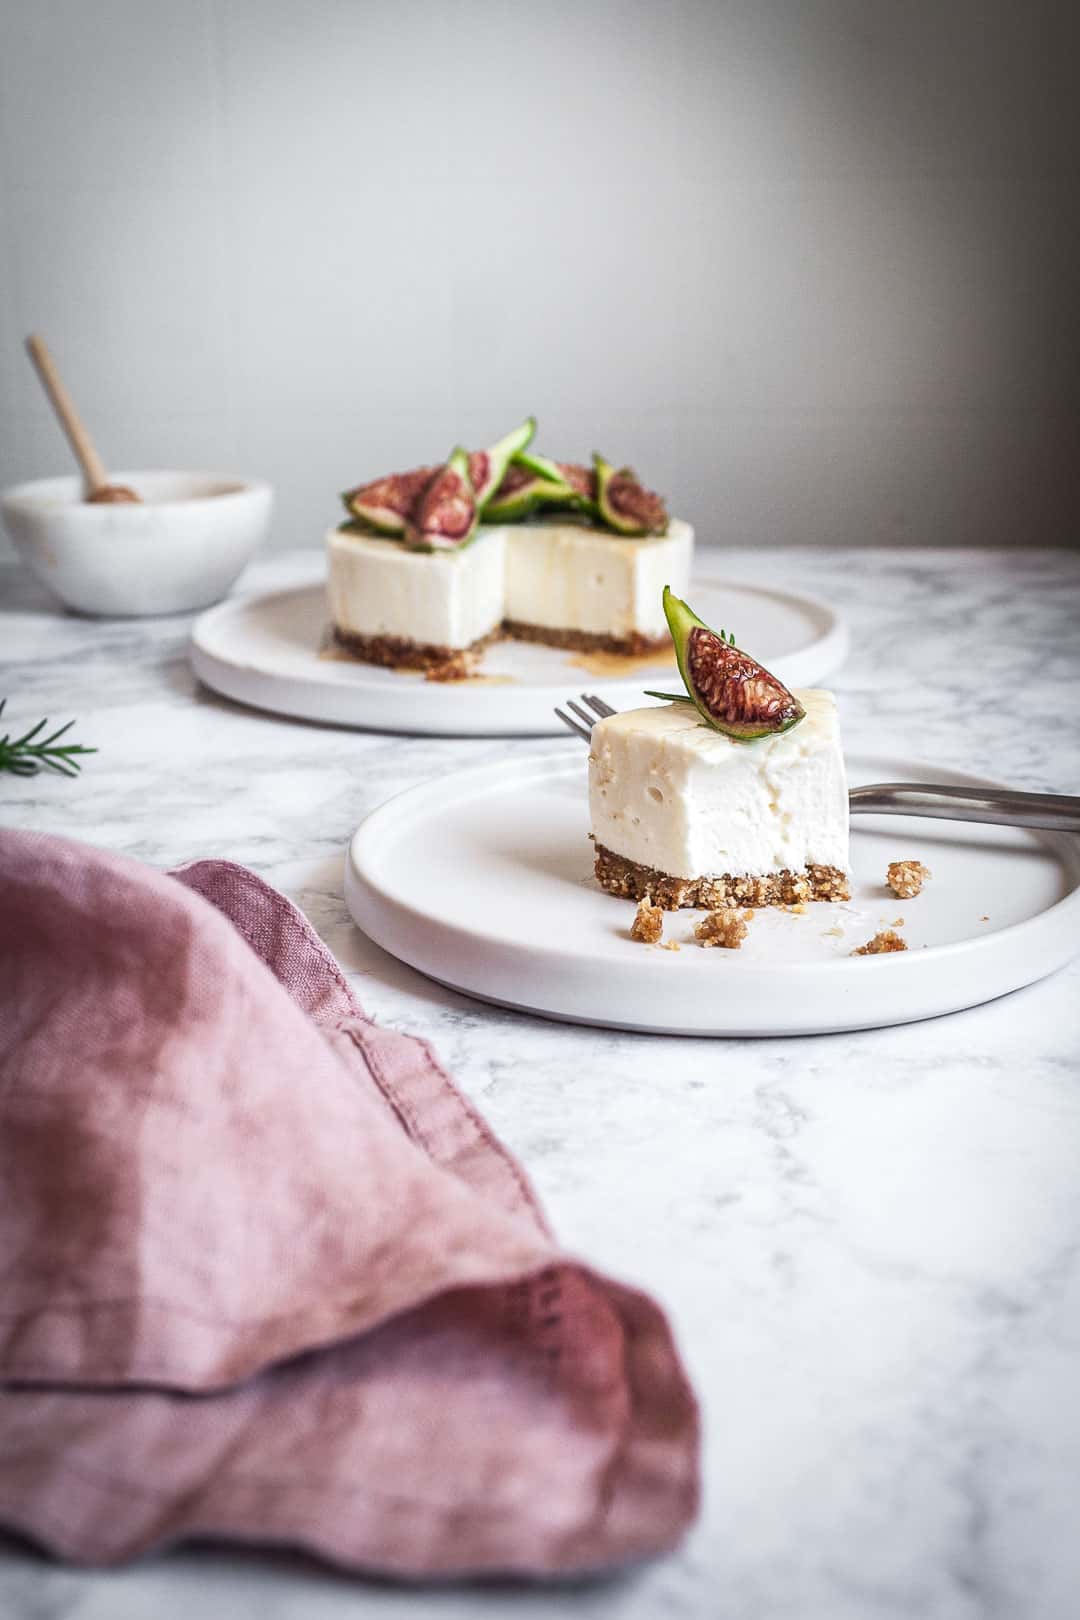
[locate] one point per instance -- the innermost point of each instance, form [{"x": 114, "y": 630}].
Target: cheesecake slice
[
  {"x": 564, "y": 583},
  {"x": 688, "y": 816}
]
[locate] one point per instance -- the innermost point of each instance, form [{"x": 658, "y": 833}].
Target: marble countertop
[{"x": 869, "y": 1244}]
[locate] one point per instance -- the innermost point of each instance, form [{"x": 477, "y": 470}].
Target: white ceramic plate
[
  {"x": 267, "y": 651},
  {"x": 483, "y": 880}
]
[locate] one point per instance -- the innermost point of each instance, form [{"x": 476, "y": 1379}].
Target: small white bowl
[{"x": 178, "y": 550}]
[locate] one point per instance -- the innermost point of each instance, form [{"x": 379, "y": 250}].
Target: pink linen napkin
[{"x": 267, "y": 1276}]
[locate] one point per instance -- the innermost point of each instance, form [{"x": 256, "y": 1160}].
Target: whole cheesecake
[
  {"x": 685, "y": 815},
  {"x": 562, "y": 582}
]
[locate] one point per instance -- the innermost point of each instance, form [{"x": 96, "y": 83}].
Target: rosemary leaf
[{"x": 22, "y": 756}]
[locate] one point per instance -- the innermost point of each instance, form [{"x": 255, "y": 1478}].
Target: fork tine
[
  {"x": 581, "y": 713},
  {"x": 597, "y": 705},
  {"x": 573, "y": 725}
]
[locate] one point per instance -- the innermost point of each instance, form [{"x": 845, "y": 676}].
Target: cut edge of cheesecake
[
  {"x": 397, "y": 651},
  {"x": 630, "y": 880}
]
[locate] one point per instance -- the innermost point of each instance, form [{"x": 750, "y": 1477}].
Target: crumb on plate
[
  {"x": 725, "y": 928},
  {"x": 457, "y": 668},
  {"x": 648, "y": 924},
  {"x": 906, "y": 878},
  {"x": 881, "y": 944}
]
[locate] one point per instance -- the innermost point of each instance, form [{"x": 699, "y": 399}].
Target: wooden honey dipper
[{"x": 98, "y": 488}]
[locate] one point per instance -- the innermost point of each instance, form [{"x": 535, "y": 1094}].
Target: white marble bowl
[{"x": 177, "y": 550}]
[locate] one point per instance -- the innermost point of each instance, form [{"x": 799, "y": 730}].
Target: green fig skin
[
  {"x": 527, "y": 486},
  {"x": 566, "y": 485},
  {"x": 389, "y": 528},
  {"x": 450, "y": 483},
  {"x": 783, "y": 710},
  {"x": 651, "y": 518},
  {"x": 355, "y": 525},
  {"x": 496, "y": 460},
  {"x": 542, "y": 466}
]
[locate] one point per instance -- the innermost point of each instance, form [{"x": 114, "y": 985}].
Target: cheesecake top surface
[
  {"x": 555, "y": 528},
  {"x": 679, "y": 726}
]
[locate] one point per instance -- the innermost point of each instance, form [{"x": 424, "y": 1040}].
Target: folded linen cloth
[{"x": 267, "y": 1275}]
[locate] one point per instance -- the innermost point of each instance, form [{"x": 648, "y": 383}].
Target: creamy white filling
[
  {"x": 667, "y": 791},
  {"x": 561, "y": 576},
  {"x": 443, "y": 599},
  {"x": 565, "y": 576}
]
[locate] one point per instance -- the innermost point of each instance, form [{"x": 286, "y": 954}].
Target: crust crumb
[
  {"x": 669, "y": 945},
  {"x": 827, "y": 883},
  {"x": 906, "y": 878},
  {"x": 456, "y": 668},
  {"x": 648, "y": 924},
  {"x": 723, "y": 928},
  {"x": 881, "y": 944}
]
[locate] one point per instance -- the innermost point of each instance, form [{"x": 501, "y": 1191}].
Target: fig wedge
[
  {"x": 530, "y": 482},
  {"x": 578, "y": 482},
  {"x": 487, "y": 468},
  {"x": 730, "y": 690},
  {"x": 624, "y": 504},
  {"x": 582, "y": 481},
  {"x": 385, "y": 504},
  {"x": 445, "y": 517}
]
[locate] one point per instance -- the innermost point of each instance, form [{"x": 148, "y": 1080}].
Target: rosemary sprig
[{"x": 25, "y": 757}]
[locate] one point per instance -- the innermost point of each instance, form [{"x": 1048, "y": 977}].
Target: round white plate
[
  {"x": 483, "y": 880},
  {"x": 269, "y": 651}
]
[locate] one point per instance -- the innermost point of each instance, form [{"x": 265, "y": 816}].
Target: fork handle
[{"x": 1057, "y": 811}]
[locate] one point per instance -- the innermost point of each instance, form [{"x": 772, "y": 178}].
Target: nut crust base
[
  {"x": 398, "y": 652},
  {"x": 632, "y": 881},
  {"x": 635, "y": 645}
]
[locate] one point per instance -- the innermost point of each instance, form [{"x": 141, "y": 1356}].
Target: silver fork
[
  {"x": 1058, "y": 812},
  {"x": 601, "y": 711}
]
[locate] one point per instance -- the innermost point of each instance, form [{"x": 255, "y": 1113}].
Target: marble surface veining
[{"x": 869, "y": 1244}]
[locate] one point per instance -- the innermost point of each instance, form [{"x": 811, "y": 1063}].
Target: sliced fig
[
  {"x": 445, "y": 516},
  {"x": 542, "y": 466},
  {"x": 579, "y": 481},
  {"x": 487, "y": 467},
  {"x": 385, "y": 504},
  {"x": 530, "y": 481},
  {"x": 624, "y": 504},
  {"x": 582, "y": 480},
  {"x": 729, "y": 689}
]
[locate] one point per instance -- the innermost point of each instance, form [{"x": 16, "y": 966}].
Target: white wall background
[{"x": 814, "y": 267}]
